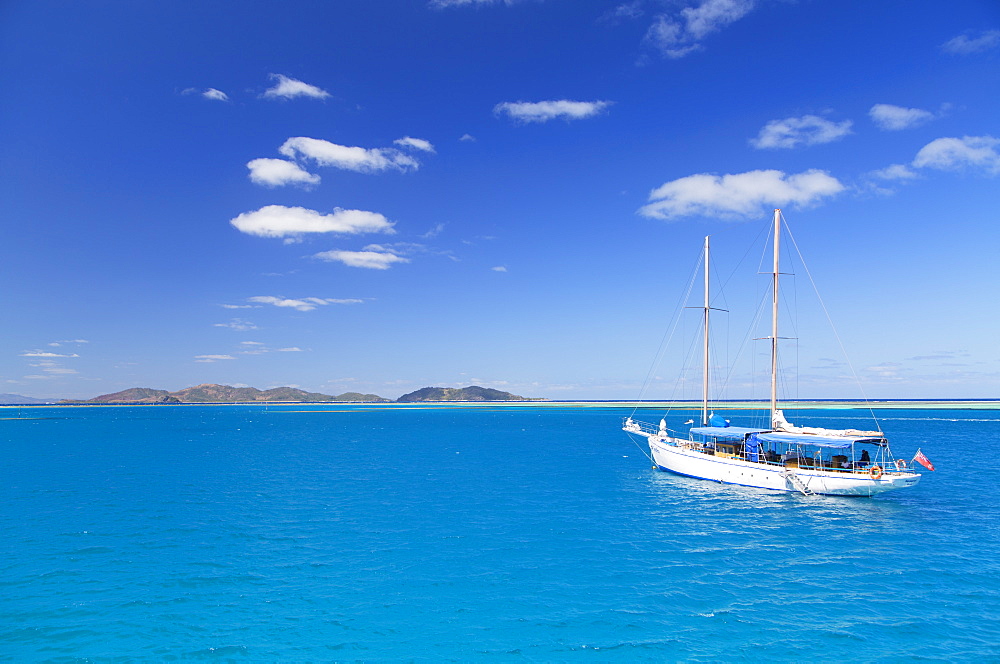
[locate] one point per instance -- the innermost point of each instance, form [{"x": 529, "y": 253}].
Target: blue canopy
[
  {"x": 726, "y": 433},
  {"x": 753, "y": 448},
  {"x": 838, "y": 442}
]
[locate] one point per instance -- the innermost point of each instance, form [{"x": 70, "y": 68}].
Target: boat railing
[
  {"x": 809, "y": 463},
  {"x": 641, "y": 427}
]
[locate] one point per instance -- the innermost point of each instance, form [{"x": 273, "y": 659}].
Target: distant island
[
  {"x": 472, "y": 393},
  {"x": 21, "y": 400},
  {"x": 210, "y": 393}
]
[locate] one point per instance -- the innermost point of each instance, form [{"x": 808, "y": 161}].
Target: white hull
[{"x": 674, "y": 455}]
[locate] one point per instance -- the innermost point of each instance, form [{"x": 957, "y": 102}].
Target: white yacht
[{"x": 782, "y": 457}]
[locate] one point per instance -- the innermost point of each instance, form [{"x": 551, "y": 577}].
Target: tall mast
[
  {"x": 704, "y": 372},
  {"x": 774, "y": 317}
]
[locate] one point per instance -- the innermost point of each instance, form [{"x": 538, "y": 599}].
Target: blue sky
[{"x": 380, "y": 196}]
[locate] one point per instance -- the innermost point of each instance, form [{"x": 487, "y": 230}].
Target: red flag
[{"x": 923, "y": 460}]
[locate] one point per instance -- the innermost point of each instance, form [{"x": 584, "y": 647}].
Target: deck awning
[
  {"x": 725, "y": 433},
  {"x": 838, "y": 442}
]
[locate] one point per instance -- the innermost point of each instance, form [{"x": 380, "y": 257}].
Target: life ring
[
  {"x": 900, "y": 464},
  {"x": 875, "y": 472}
]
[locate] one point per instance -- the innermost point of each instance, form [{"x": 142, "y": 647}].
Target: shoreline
[{"x": 802, "y": 404}]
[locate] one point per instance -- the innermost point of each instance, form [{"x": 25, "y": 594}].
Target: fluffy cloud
[
  {"x": 738, "y": 195},
  {"x": 676, "y": 36},
  {"x": 305, "y": 304},
  {"x": 281, "y": 221},
  {"x": 217, "y": 95},
  {"x": 362, "y": 160},
  {"x": 289, "y": 88},
  {"x": 369, "y": 258},
  {"x": 894, "y": 118},
  {"x": 796, "y": 132},
  {"x": 965, "y": 44},
  {"x": 415, "y": 143},
  {"x": 278, "y": 172},
  {"x": 543, "y": 111},
  {"x": 968, "y": 152}
]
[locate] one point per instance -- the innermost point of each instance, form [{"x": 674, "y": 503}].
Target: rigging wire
[
  {"x": 668, "y": 335},
  {"x": 834, "y": 328}
]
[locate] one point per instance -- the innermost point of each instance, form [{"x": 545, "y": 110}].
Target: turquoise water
[{"x": 237, "y": 533}]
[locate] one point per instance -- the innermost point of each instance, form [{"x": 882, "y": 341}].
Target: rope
[{"x": 644, "y": 452}]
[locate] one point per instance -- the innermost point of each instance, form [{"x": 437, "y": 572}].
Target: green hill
[{"x": 472, "y": 393}]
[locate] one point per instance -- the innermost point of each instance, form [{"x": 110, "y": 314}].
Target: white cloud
[
  {"x": 361, "y": 160},
  {"x": 281, "y": 221},
  {"x": 795, "y": 132},
  {"x": 236, "y": 306},
  {"x": 217, "y": 95},
  {"x": 543, "y": 111},
  {"x": 305, "y": 304},
  {"x": 43, "y": 353},
  {"x": 259, "y": 348},
  {"x": 47, "y": 362},
  {"x": 237, "y": 324},
  {"x": 676, "y": 37},
  {"x": 467, "y": 138},
  {"x": 69, "y": 341},
  {"x": 952, "y": 154},
  {"x": 207, "y": 93},
  {"x": 373, "y": 260},
  {"x": 212, "y": 358},
  {"x": 738, "y": 195},
  {"x": 289, "y": 88},
  {"x": 895, "y": 172},
  {"x": 415, "y": 143},
  {"x": 278, "y": 172},
  {"x": 965, "y": 44},
  {"x": 894, "y": 118},
  {"x": 499, "y": 268}
]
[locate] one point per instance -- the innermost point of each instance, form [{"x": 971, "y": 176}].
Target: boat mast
[
  {"x": 774, "y": 318},
  {"x": 704, "y": 372}
]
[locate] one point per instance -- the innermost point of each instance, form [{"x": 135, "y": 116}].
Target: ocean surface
[{"x": 491, "y": 533}]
